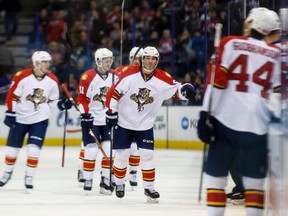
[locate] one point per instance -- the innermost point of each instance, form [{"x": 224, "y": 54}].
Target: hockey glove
[
  {"x": 188, "y": 91},
  {"x": 10, "y": 118},
  {"x": 86, "y": 121},
  {"x": 64, "y": 103},
  {"x": 206, "y": 133},
  {"x": 111, "y": 119}
]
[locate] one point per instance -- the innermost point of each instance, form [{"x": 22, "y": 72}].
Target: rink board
[{"x": 175, "y": 127}]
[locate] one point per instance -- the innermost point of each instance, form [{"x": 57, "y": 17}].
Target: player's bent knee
[
  {"x": 215, "y": 182},
  {"x": 146, "y": 154}
]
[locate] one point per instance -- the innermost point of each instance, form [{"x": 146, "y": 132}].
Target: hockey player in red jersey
[
  {"x": 135, "y": 56},
  {"x": 133, "y": 104},
  {"x": 235, "y": 104},
  {"x": 93, "y": 87},
  {"x": 32, "y": 95}
]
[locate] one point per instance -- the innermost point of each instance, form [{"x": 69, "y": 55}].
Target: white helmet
[
  {"x": 254, "y": 11},
  {"x": 153, "y": 52},
  {"x": 265, "y": 22},
  {"x": 150, "y": 51},
  {"x": 133, "y": 52},
  {"x": 40, "y": 56},
  {"x": 103, "y": 53}
]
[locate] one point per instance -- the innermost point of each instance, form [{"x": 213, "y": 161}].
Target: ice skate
[
  {"x": 120, "y": 191},
  {"x": 88, "y": 185},
  {"x": 5, "y": 178},
  {"x": 80, "y": 176},
  {"x": 237, "y": 199},
  {"x": 29, "y": 182},
  {"x": 152, "y": 195},
  {"x": 105, "y": 188},
  {"x": 133, "y": 179}
]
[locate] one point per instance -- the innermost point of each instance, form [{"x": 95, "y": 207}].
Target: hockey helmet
[
  {"x": 40, "y": 56},
  {"x": 265, "y": 22},
  {"x": 150, "y": 51},
  {"x": 103, "y": 53},
  {"x": 133, "y": 52},
  {"x": 253, "y": 12}
]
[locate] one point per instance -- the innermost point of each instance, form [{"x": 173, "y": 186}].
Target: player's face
[
  {"x": 247, "y": 28},
  {"x": 107, "y": 63},
  {"x": 45, "y": 65},
  {"x": 136, "y": 61},
  {"x": 150, "y": 62}
]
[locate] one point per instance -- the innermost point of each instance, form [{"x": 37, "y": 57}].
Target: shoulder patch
[
  {"x": 84, "y": 77},
  {"x": 124, "y": 69},
  {"x": 167, "y": 74},
  {"x": 18, "y": 73}
]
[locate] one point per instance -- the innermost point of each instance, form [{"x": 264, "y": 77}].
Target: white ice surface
[{"x": 57, "y": 193}]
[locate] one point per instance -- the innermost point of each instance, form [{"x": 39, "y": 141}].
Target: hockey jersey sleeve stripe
[
  {"x": 221, "y": 78},
  {"x": 116, "y": 95}
]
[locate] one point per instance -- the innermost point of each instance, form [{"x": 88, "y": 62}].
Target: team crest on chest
[
  {"x": 36, "y": 98},
  {"x": 143, "y": 97},
  {"x": 102, "y": 96}
]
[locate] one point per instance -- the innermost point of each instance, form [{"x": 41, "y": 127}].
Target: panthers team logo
[
  {"x": 102, "y": 96},
  {"x": 36, "y": 98},
  {"x": 142, "y": 98}
]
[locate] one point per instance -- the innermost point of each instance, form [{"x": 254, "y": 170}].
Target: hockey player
[
  {"x": 32, "y": 95},
  {"x": 247, "y": 73},
  {"x": 237, "y": 194},
  {"x": 135, "y": 55},
  {"x": 93, "y": 87},
  {"x": 136, "y": 99}
]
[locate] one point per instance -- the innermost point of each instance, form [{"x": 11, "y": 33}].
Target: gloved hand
[
  {"x": 86, "y": 121},
  {"x": 10, "y": 118},
  {"x": 188, "y": 91},
  {"x": 206, "y": 133},
  {"x": 111, "y": 119},
  {"x": 64, "y": 103}
]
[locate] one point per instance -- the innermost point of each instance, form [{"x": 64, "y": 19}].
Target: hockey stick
[
  {"x": 111, "y": 142},
  {"x": 68, "y": 55},
  {"x": 90, "y": 131},
  {"x": 218, "y": 31},
  {"x": 73, "y": 130}
]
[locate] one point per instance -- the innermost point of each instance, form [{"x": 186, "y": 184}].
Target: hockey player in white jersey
[
  {"x": 247, "y": 73},
  {"x": 93, "y": 87},
  {"x": 133, "y": 104},
  {"x": 32, "y": 95},
  {"x": 135, "y": 56}
]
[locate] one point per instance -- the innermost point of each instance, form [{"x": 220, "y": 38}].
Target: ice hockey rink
[{"x": 57, "y": 192}]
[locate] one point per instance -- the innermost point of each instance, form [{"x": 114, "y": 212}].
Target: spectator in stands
[
  {"x": 56, "y": 27},
  {"x": 11, "y": 9},
  {"x": 165, "y": 43},
  {"x": 193, "y": 23},
  {"x": 197, "y": 44}
]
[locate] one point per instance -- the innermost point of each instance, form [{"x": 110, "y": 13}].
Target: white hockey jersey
[
  {"x": 31, "y": 98},
  {"x": 247, "y": 71},
  {"x": 137, "y": 100},
  {"x": 92, "y": 91}
]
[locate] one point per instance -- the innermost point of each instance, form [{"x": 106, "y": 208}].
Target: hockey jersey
[
  {"x": 92, "y": 91},
  {"x": 247, "y": 71},
  {"x": 32, "y": 98},
  {"x": 137, "y": 99}
]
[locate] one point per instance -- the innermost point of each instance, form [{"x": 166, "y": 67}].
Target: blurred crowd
[{"x": 178, "y": 29}]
